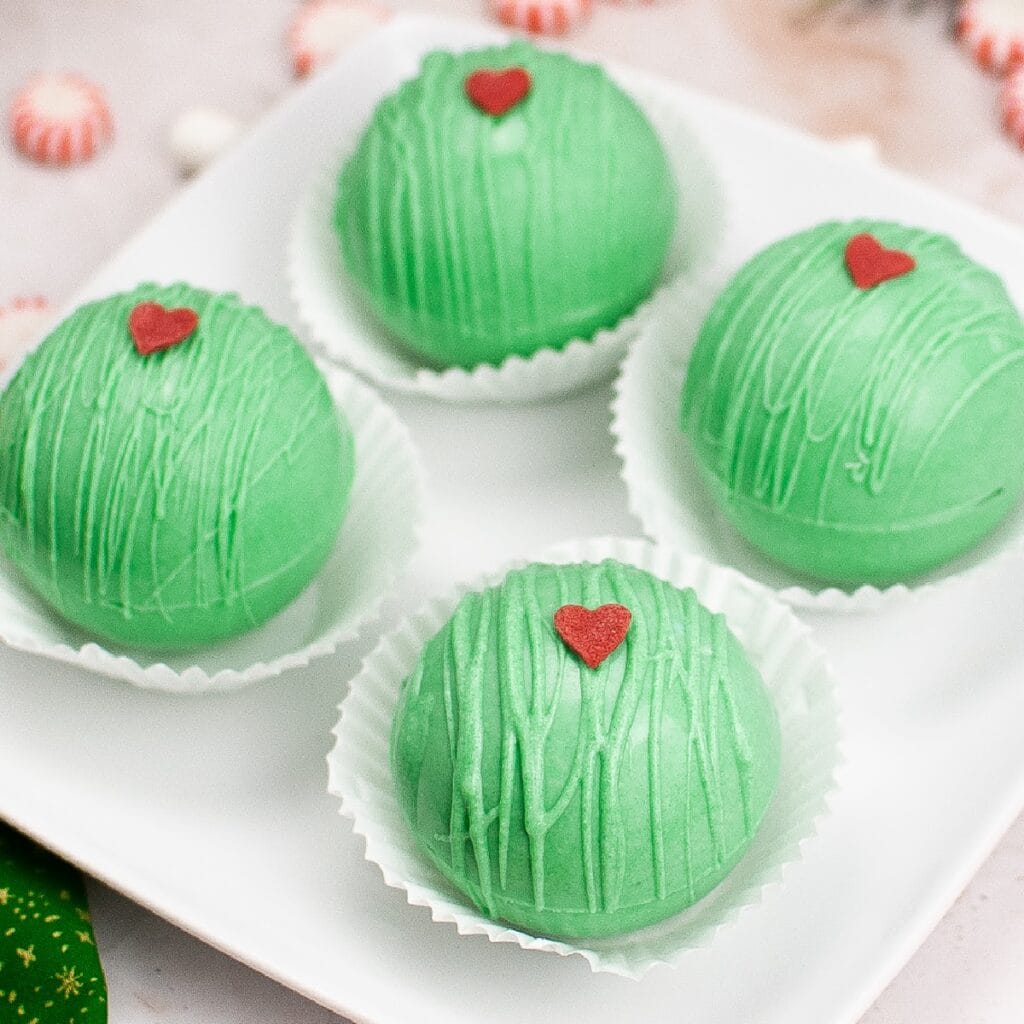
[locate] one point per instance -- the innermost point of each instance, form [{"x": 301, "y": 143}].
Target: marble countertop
[{"x": 895, "y": 78}]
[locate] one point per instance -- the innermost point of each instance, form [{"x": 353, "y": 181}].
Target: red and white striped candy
[
  {"x": 1012, "y": 100},
  {"x": 551, "y": 17},
  {"x": 322, "y": 29},
  {"x": 993, "y": 30},
  {"x": 22, "y": 323},
  {"x": 60, "y": 119}
]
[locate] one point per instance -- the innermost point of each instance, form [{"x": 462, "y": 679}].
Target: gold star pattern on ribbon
[
  {"x": 44, "y": 978},
  {"x": 70, "y": 983}
]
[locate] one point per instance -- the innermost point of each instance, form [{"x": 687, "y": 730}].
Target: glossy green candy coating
[
  {"x": 50, "y": 971},
  {"x": 173, "y": 499},
  {"x": 474, "y": 237},
  {"x": 583, "y": 802},
  {"x": 860, "y": 436}
]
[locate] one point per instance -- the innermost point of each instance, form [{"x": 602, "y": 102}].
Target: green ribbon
[{"x": 50, "y": 970}]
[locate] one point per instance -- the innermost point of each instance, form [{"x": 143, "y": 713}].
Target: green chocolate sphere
[
  {"x": 581, "y": 802},
  {"x": 177, "y": 498},
  {"x": 475, "y": 236},
  {"x": 860, "y": 436}
]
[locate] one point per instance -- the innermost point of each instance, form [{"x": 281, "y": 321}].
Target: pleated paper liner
[
  {"x": 377, "y": 538},
  {"x": 780, "y": 646},
  {"x": 669, "y": 497},
  {"x": 341, "y": 325}
]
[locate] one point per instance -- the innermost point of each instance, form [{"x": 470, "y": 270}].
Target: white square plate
[{"x": 213, "y": 811}]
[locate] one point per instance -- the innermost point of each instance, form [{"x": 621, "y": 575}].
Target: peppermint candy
[
  {"x": 322, "y": 29},
  {"x": 993, "y": 30},
  {"x": 60, "y": 119},
  {"x": 548, "y": 17}
]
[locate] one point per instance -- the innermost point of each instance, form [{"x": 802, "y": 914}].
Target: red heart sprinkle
[
  {"x": 155, "y": 328},
  {"x": 870, "y": 263},
  {"x": 496, "y": 92},
  {"x": 593, "y": 635}
]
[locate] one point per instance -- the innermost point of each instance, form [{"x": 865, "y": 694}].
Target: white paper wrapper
[
  {"x": 343, "y": 327},
  {"x": 377, "y": 538},
  {"x": 668, "y": 495},
  {"x": 793, "y": 667}
]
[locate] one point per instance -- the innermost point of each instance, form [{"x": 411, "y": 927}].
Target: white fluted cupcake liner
[
  {"x": 668, "y": 495},
  {"x": 340, "y": 324},
  {"x": 793, "y": 667},
  {"x": 378, "y": 536}
]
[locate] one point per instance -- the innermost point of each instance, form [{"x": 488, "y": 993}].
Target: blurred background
[
  {"x": 887, "y": 73},
  {"x": 184, "y": 78}
]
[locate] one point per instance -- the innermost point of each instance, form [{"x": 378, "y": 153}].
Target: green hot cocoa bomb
[
  {"x": 865, "y": 432},
  {"x": 576, "y": 801},
  {"x": 478, "y": 233},
  {"x": 175, "y": 498}
]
